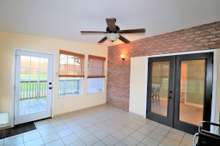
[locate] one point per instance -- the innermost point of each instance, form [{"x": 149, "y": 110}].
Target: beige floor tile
[
  {"x": 169, "y": 142},
  {"x": 1, "y": 142},
  {"x": 36, "y": 142},
  {"x": 78, "y": 142},
  {"x": 89, "y": 139},
  {"x": 32, "y": 135},
  {"x": 150, "y": 142},
  {"x": 14, "y": 143},
  {"x": 141, "y": 144},
  {"x": 187, "y": 140},
  {"x": 64, "y": 132},
  {"x": 18, "y": 139},
  {"x": 67, "y": 140},
  {"x": 50, "y": 137},
  {"x": 130, "y": 141},
  {"x": 120, "y": 144},
  {"x": 55, "y": 143},
  {"x": 104, "y": 125},
  {"x": 99, "y": 143},
  {"x": 138, "y": 136},
  {"x": 110, "y": 140}
]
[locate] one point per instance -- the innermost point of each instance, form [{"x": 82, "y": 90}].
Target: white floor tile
[{"x": 55, "y": 143}]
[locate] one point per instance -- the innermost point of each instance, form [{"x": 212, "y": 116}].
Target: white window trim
[{"x": 72, "y": 95}]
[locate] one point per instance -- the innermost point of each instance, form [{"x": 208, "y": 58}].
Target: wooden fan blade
[
  {"x": 88, "y": 32},
  {"x": 123, "y": 39},
  {"x": 139, "y": 30},
  {"x": 102, "y": 40}
]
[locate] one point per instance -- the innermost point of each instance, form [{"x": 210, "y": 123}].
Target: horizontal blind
[
  {"x": 96, "y": 66},
  {"x": 71, "y": 64}
]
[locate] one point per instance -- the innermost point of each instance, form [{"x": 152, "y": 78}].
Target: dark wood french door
[{"x": 180, "y": 90}]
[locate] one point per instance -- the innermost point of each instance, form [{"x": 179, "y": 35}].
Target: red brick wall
[{"x": 201, "y": 37}]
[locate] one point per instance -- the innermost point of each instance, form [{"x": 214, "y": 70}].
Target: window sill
[
  {"x": 70, "y": 95},
  {"x": 97, "y": 92},
  {"x": 96, "y": 77}
]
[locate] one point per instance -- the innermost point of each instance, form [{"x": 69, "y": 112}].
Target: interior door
[
  {"x": 33, "y": 92},
  {"x": 160, "y": 89},
  {"x": 193, "y": 92},
  {"x": 180, "y": 90}
]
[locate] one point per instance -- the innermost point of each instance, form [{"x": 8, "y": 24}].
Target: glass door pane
[
  {"x": 33, "y": 85},
  {"x": 192, "y": 91},
  {"x": 160, "y": 87}
]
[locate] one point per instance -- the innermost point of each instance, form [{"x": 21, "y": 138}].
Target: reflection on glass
[
  {"x": 192, "y": 88},
  {"x": 33, "y": 85},
  {"x": 160, "y": 85}
]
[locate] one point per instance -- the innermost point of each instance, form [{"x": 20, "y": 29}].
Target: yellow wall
[{"x": 11, "y": 41}]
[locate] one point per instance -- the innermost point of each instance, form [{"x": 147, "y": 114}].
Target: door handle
[
  {"x": 50, "y": 88},
  {"x": 170, "y": 94}
]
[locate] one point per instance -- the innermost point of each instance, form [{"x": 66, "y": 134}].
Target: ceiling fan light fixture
[
  {"x": 113, "y": 36},
  {"x": 113, "y": 32}
]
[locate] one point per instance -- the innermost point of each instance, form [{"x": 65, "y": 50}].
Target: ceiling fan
[{"x": 113, "y": 32}]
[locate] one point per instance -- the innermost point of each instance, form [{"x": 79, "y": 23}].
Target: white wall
[
  {"x": 216, "y": 85},
  {"x": 138, "y": 85},
  {"x": 10, "y": 41}
]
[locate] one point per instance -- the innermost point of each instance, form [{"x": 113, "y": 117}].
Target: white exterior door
[{"x": 33, "y": 86}]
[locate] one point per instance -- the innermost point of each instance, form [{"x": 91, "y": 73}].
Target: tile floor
[{"x": 100, "y": 126}]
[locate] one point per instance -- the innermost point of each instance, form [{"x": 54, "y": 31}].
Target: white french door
[{"x": 33, "y": 86}]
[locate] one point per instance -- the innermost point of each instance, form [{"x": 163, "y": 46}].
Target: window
[
  {"x": 71, "y": 64},
  {"x": 96, "y": 66},
  {"x": 71, "y": 69},
  {"x": 96, "y": 74},
  {"x": 69, "y": 86},
  {"x": 95, "y": 85}
]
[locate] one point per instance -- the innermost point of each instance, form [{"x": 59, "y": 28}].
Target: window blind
[
  {"x": 71, "y": 64},
  {"x": 96, "y": 66}
]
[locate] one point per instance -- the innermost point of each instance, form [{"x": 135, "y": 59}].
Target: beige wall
[{"x": 11, "y": 41}]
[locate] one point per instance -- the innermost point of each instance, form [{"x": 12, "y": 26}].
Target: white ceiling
[{"x": 65, "y": 18}]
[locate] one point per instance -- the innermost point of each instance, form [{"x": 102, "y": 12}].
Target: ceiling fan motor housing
[{"x": 116, "y": 29}]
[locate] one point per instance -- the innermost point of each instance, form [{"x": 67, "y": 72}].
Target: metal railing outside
[{"x": 33, "y": 89}]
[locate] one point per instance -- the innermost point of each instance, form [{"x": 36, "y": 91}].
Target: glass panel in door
[
  {"x": 33, "y": 85},
  {"x": 160, "y": 87},
  {"x": 192, "y": 91}
]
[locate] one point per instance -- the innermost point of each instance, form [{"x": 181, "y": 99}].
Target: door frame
[
  {"x": 211, "y": 83},
  {"x": 15, "y": 81}
]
